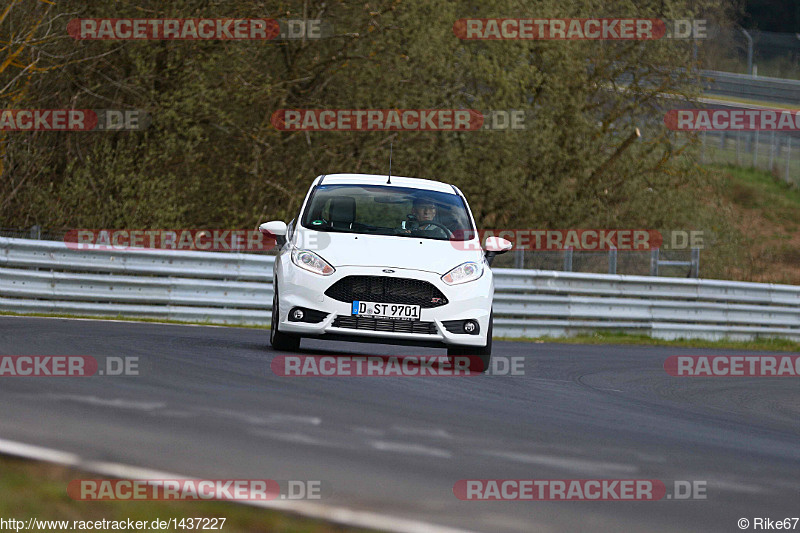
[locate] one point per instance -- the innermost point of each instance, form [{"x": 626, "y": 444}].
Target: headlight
[
  {"x": 464, "y": 273},
  {"x": 311, "y": 262}
]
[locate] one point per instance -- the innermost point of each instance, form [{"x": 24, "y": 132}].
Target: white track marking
[
  {"x": 416, "y": 449},
  {"x": 272, "y": 418},
  {"x": 566, "y": 463},
  {"x": 423, "y": 432},
  {"x": 297, "y": 438},
  {"x": 117, "y": 403}
]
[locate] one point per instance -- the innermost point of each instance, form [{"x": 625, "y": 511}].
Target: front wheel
[
  {"x": 479, "y": 358},
  {"x": 281, "y": 341}
]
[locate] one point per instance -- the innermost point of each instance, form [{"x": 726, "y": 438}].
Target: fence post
[
  {"x": 738, "y": 150},
  {"x": 695, "y": 272},
  {"x": 788, "y": 155},
  {"x": 519, "y": 259},
  {"x": 749, "y": 51},
  {"x": 703, "y": 147},
  {"x": 772, "y": 151},
  {"x": 654, "y": 262},
  {"x": 755, "y": 149},
  {"x": 612, "y": 261},
  {"x": 568, "y": 260}
]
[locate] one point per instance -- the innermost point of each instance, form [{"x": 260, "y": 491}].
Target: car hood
[{"x": 350, "y": 249}]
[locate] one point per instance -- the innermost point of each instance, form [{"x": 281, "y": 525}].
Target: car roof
[{"x": 376, "y": 179}]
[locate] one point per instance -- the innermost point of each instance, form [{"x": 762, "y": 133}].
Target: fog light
[
  {"x": 471, "y": 327},
  {"x": 297, "y": 315}
]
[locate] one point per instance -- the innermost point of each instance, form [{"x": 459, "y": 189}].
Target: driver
[{"x": 423, "y": 210}]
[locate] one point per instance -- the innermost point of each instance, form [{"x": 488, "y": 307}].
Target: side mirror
[
  {"x": 275, "y": 228},
  {"x": 495, "y": 246}
]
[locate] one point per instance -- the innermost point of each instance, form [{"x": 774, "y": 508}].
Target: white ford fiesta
[{"x": 384, "y": 259}]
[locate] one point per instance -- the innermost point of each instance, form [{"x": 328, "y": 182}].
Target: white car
[{"x": 384, "y": 259}]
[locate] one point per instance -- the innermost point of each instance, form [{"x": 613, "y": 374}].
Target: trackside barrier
[
  {"x": 761, "y": 89},
  {"x": 233, "y": 288}
]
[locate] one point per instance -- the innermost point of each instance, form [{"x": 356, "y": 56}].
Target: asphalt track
[{"x": 207, "y": 405}]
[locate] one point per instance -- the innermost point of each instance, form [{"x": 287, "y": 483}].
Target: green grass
[
  {"x": 766, "y": 344},
  {"x": 778, "y": 201},
  {"x": 726, "y": 157},
  {"x": 30, "y": 489}
]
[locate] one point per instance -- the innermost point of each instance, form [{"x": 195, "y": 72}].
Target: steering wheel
[{"x": 445, "y": 228}]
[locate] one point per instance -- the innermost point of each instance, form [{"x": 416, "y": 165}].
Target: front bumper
[{"x": 300, "y": 288}]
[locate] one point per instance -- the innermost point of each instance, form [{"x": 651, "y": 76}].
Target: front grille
[
  {"x": 382, "y": 324},
  {"x": 387, "y": 290}
]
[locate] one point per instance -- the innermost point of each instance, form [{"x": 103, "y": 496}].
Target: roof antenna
[{"x": 389, "y": 180}]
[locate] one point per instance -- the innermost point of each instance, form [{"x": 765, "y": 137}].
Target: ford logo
[{"x": 388, "y": 270}]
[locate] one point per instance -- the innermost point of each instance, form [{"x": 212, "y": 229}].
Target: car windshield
[{"x": 388, "y": 210}]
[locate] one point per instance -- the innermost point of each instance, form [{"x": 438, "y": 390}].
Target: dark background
[{"x": 772, "y": 15}]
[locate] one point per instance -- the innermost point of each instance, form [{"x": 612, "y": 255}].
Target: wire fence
[
  {"x": 667, "y": 263},
  {"x": 774, "y": 152},
  {"x": 758, "y": 53},
  {"x": 34, "y": 232}
]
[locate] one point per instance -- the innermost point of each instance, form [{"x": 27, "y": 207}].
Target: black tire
[
  {"x": 480, "y": 359},
  {"x": 282, "y": 342}
]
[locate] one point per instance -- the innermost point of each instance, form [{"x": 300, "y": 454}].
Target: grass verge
[
  {"x": 31, "y": 489},
  {"x": 133, "y": 319},
  {"x": 766, "y": 344}
]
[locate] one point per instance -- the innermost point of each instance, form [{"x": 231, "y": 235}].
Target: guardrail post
[
  {"x": 612, "y": 261},
  {"x": 695, "y": 272},
  {"x": 36, "y": 232},
  {"x": 568, "y": 260},
  {"x": 654, "y": 262}
]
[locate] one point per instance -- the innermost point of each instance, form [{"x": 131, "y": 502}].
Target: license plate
[{"x": 390, "y": 311}]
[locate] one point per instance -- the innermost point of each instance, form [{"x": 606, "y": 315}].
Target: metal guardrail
[
  {"x": 47, "y": 277},
  {"x": 752, "y": 88}
]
